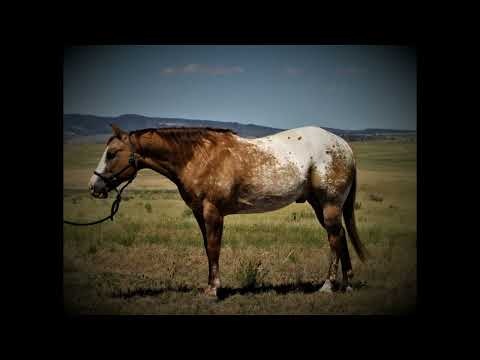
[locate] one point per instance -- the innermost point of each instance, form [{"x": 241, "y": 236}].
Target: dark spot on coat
[
  {"x": 289, "y": 137},
  {"x": 299, "y": 138}
]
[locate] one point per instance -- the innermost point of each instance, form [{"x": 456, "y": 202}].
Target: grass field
[{"x": 151, "y": 259}]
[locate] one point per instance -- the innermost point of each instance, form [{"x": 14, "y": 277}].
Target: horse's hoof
[
  {"x": 210, "y": 292},
  {"x": 327, "y": 287},
  {"x": 348, "y": 289}
]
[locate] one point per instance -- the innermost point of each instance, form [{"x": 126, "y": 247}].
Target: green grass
[
  {"x": 250, "y": 273},
  {"x": 151, "y": 259}
]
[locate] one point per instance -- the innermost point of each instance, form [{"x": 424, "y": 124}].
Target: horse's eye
[{"x": 110, "y": 156}]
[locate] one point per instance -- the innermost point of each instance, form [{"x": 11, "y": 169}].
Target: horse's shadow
[
  {"x": 283, "y": 289},
  {"x": 144, "y": 292},
  {"x": 226, "y": 292}
]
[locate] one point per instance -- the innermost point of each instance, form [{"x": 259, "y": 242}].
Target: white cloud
[
  {"x": 168, "y": 70},
  {"x": 222, "y": 70},
  {"x": 203, "y": 69},
  {"x": 293, "y": 70},
  {"x": 191, "y": 68}
]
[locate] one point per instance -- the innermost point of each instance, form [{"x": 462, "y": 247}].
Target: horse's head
[{"x": 116, "y": 165}]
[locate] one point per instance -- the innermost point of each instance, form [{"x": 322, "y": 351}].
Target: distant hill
[
  {"x": 96, "y": 129},
  {"x": 88, "y": 125}
]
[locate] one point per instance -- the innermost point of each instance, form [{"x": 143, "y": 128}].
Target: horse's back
[{"x": 306, "y": 146}]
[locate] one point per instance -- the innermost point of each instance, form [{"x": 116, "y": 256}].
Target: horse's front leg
[{"x": 211, "y": 224}]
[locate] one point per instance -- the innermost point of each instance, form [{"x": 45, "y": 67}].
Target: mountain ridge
[{"x": 94, "y": 126}]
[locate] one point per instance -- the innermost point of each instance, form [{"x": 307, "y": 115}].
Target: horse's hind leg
[
  {"x": 347, "y": 271},
  {"x": 333, "y": 263},
  {"x": 338, "y": 243},
  {"x": 329, "y": 216}
]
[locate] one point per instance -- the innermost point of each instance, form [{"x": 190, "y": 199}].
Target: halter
[
  {"x": 110, "y": 181},
  {"x": 132, "y": 162}
]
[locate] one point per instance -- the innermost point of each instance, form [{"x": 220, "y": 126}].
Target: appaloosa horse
[{"x": 219, "y": 173}]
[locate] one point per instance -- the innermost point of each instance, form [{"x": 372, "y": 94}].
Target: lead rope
[{"x": 113, "y": 210}]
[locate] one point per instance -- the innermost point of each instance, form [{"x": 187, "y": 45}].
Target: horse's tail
[{"x": 349, "y": 217}]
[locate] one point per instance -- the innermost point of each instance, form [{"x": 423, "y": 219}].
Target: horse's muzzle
[
  {"x": 102, "y": 195},
  {"x": 100, "y": 192}
]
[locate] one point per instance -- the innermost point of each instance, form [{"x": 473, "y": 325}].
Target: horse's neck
[{"x": 163, "y": 163}]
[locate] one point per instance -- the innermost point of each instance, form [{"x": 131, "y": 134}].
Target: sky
[{"x": 343, "y": 87}]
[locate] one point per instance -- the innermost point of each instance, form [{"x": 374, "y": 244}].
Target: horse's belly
[{"x": 264, "y": 204}]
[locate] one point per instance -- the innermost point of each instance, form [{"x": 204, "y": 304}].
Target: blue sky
[{"x": 345, "y": 87}]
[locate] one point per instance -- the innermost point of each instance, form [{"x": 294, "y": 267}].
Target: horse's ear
[{"x": 119, "y": 133}]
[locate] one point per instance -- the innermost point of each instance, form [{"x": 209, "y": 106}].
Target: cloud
[
  {"x": 350, "y": 70},
  {"x": 168, "y": 70},
  {"x": 293, "y": 70},
  {"x": 191, "y": 68},
  {"x": 203, "y": 69}
]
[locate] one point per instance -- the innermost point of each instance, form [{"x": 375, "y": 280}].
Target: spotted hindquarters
[{"x": 332, "y": 176}]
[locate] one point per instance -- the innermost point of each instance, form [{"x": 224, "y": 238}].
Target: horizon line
[{"x": 232, "y": 122}]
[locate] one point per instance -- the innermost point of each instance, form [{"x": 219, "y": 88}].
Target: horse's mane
[
  {"x": 185, "y": 136},
  {"x": 180, "y": 135},
  {"x": 183, "y": 129},
  {"x": 183, "y": 133},
  {"x": 187, "y": 141}
]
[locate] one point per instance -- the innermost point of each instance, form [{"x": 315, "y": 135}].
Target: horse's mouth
[{"x": 100, "y": 195}]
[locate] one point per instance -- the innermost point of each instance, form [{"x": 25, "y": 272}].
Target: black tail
[{"x": 349, "y": 217}]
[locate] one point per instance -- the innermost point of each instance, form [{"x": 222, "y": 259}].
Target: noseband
[
  {"x": 110, "y": 181},
  {"x": 132, "y": 162}
]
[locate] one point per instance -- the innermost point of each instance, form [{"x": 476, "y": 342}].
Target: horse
[{"x": 219, "y": 173}]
